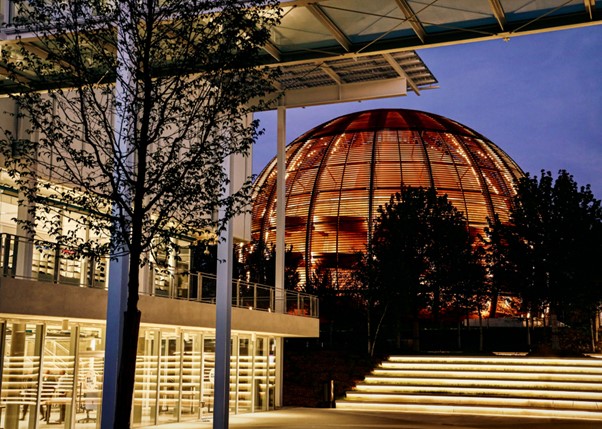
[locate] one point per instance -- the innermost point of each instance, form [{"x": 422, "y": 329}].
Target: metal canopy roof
[
  {"x": 334, "y": 42},
  {"x": 312, "y": 29},
  {"x": 344, "y": 50}
]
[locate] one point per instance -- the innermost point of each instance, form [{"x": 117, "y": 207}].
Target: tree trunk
[
  {"x": 493, "y": 304},
  {"x": 415, "y": 334},
  {"x": 369, "y": 328},
  {"x": 127, "y": 368},
  {"x": 480, "y": 331},
  {"x": 131, "y": 328},
  {"x": 377, "y": 331},
  {"x": 593, "y": 334},
  {"x": 529, "y": 331},
  {"x": 555, "y": 340},
  {"x": 459, "y": 334}
]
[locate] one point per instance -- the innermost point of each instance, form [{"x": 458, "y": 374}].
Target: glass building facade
[
  {"x": 53, "y": 334},
  {"x": 52, "y": 374},
  {"x": 340, "y": 172}
]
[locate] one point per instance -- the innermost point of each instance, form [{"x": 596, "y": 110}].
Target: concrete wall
[{"x": 41, "y": 300}]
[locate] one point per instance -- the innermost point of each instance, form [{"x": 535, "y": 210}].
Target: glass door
[
  {"x": 20, "y": 374},
  {"x": 169, "y": 377},
  {"x": 58, "y": 375},
  {"x": 89, "y": 377},
  {"x": 208, "y": 373},
  {"x": 191, "y": 404},
  {"x": 243, "y": 375},
  {"x": 145, "y": 388}
]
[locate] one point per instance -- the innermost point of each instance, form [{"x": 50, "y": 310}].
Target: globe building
[{"x": 340, "y": 172}]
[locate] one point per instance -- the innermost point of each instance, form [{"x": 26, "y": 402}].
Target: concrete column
[
  {"x": 17, "y": 349},
  {"x": 223, "y": 317},
  {"x": 119, "y": 265},
  {"x": 280, "y": 210},
  {"x": 146, "y": 278},
  {"x": 24, "y": 213},
  {"x": 279, "y": 372}
]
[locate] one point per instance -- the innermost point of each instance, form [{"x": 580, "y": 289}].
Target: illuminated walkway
[{"x": 311, "y": 418}]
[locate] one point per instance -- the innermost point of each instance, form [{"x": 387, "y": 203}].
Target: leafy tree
[
  {"x": 321, "y": 284},
  {"x": 366, "y": 277},
  {"x": 260, "y": 265},
  {"x": 342, "y": 308},
  {"x": 419, "y": 254},
  {"x": 559, "y": 230},
  {"x": 469, "y": 293},
  {"x": 139, "y": 139}
]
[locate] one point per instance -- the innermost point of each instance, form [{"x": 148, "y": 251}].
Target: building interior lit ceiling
[{"x": 367, "y": 49}]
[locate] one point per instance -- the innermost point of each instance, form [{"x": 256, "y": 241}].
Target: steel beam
[
  {"x": 412, "y": 19},
  {"x": 319, "y": 14}
]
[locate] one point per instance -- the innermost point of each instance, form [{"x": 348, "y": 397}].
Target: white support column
[
  {"x": 24, "y": 213},
  {"x": 24, "y": 243},
  {"x": 280, "y": 210},
  {"x": 243, "y": 170},
  {"x": 120, "y": 259},
  {"x": 223, "y": 316},
  {"x": 279, "y": 372},
  {"x": 146, "y": 278},
  {"x": 280, "y": 244},
  {"x": 116, "y": 303}
]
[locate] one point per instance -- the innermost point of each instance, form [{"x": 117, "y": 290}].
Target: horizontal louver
[{"x": 339, "y": 173}]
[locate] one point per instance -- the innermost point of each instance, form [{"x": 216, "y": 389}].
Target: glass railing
[
  {"x": 51, "y": 262},
  {"x": 54, "y": 263},
  {"x": 201, "y": 287}
]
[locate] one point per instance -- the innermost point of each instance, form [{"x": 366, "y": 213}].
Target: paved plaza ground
[{"x": 312, "y": 418}]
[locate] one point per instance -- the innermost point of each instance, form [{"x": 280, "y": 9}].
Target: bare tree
[{"x": 133, "y": 107}]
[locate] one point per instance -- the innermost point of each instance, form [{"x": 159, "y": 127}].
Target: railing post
[
  {"x": 90, "y": 271},
  {"x": 6, "y": 259},
  {"x": 14, "y": 262},
  {"x": 199, "y": 292},
  {"x": 57, "y": 262},
  {"x": 2, "y": 247}
]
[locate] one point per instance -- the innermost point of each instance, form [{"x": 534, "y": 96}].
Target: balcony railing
[{"x": 53, "y": 263}]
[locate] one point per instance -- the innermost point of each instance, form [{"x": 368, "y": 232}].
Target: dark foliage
[
  {"x": 259, "y": 265},
  {"x": 549, "y": 252},
  {"x": 419, "y": 261}
]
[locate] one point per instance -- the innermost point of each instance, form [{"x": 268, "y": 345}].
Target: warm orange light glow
[{"x": 340, "y": 172}]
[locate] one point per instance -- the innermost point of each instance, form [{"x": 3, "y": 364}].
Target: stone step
[
  {"x": 471, "y": 410},
  {"x": 449, "y": 399},
  {"x": 391, "y": 393},
  {"x": 574, "y": 382},
  {"x": 384, "y": 376},
  {"x": 566, "y": 388}
]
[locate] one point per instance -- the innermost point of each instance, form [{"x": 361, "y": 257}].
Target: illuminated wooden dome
[{"x": 341, "y": 171}]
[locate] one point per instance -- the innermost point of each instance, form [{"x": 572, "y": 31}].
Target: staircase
[{"x": 537, "y": 387}]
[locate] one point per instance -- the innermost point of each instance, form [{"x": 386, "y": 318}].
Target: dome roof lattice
[{"x": 339, "y": 173}]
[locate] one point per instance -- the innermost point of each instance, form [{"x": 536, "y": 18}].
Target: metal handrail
[{"x": 54, "y": 263}]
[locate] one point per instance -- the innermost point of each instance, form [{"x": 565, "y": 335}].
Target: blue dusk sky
[{"x": 538, "y": 97}]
